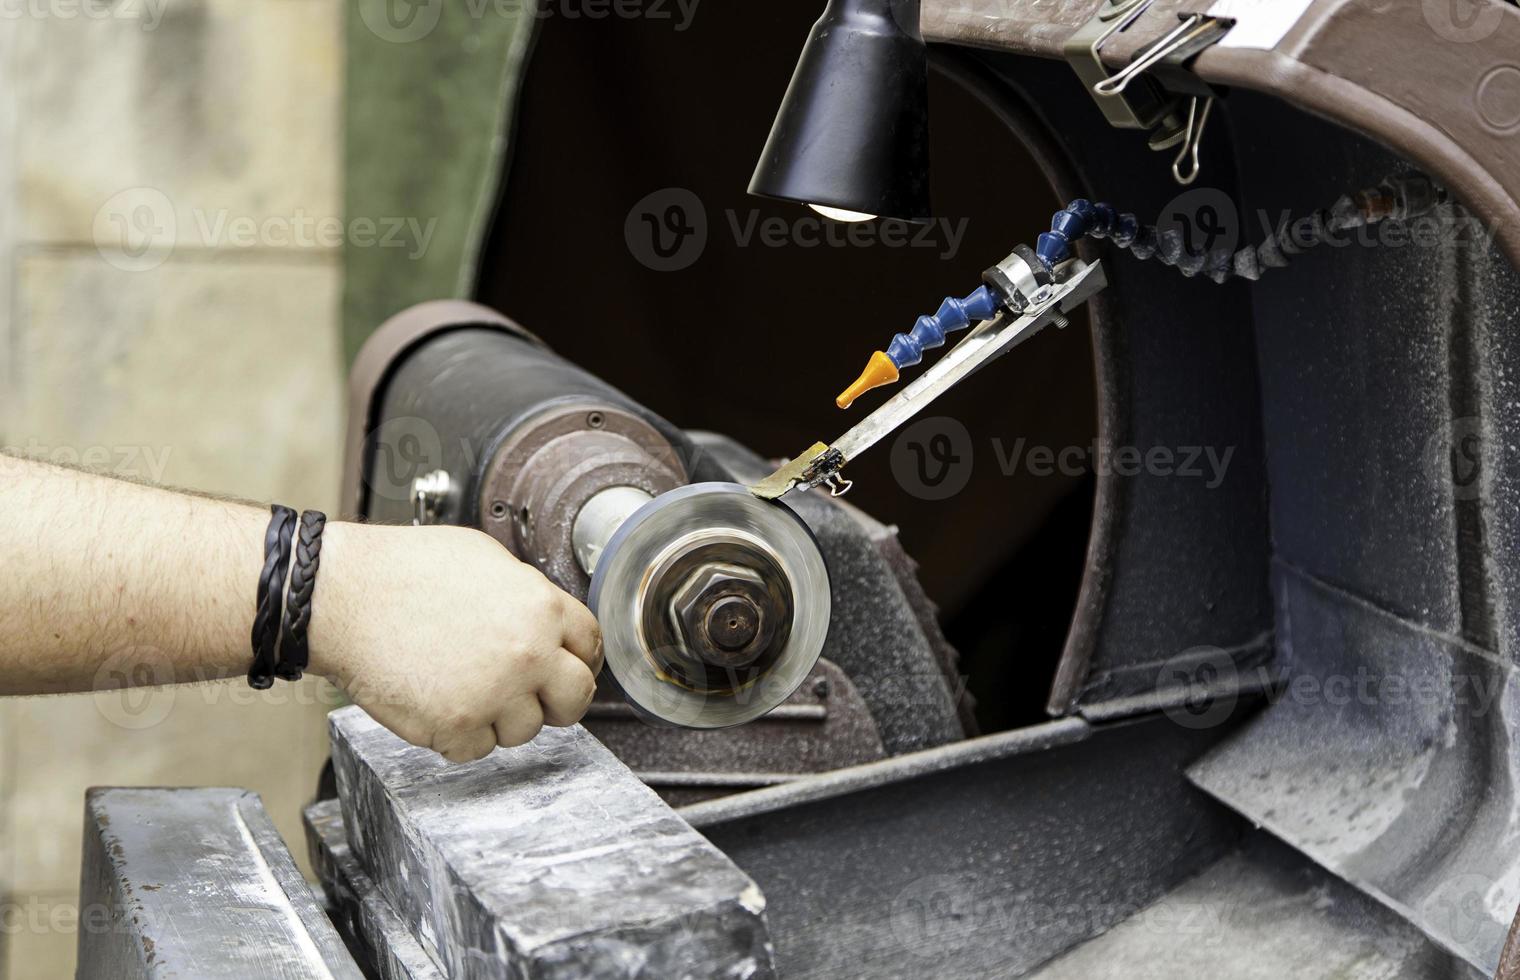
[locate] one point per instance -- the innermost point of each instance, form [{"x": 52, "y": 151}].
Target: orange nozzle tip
[{"x": 879, "y": 371}]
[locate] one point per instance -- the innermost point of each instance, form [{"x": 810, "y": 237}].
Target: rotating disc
[{"x": 713, "y": 605}]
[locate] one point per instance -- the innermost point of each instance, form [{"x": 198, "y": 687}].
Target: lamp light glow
[{"x": 840, "y": 214}]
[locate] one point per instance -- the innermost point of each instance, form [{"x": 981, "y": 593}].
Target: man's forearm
[
  {"x": 438, "y": 631},
  {"x": 98, "y": 572}
]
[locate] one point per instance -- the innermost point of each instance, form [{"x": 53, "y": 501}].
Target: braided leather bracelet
[
  {"x": 266, "y": 616},
  {"x": 303, "y": 581}
]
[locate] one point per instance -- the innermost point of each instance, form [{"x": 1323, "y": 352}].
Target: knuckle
[
  {"x": 566, "y": 704},
  {"x": 415, "y": 734},
  {"x": 552, "y": 598},
  {"x": 518, "y": 732},
  {"x": 586, "y": 693},
  {"x": 466, "y": 748},
  {"x": 533, "y": 659},
  {"x": 453, "y": 720}
]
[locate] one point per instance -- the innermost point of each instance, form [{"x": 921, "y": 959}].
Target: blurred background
[
  {"x": 142, "y": 338},
  {"x": 206, "y": 205}
]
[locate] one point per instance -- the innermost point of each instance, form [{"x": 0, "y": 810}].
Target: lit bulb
[{"x": 840, "y": 214}]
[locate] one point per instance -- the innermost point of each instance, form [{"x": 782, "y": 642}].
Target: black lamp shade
[{"x": 853, "y": 130}]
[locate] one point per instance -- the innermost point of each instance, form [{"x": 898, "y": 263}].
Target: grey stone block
[
  {"x": 550, "y": 860},
  {"x": 371, "y": 926},
  {"x": 197, "y": 883}
]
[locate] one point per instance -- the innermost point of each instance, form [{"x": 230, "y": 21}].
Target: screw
[
  {"x": 596, "y": 420},
  {"x": 498, "y": 509}
]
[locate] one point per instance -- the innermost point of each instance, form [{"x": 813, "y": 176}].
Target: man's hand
[
  {"x": 438, "y": 632},
  {"x": 447, "y": 639}
]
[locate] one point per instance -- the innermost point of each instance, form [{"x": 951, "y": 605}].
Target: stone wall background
[{"x": 170, "y": 292}]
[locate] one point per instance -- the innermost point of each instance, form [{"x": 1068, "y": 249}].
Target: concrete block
[
  {"x": 550, "y": 860},
  {"x": 197, "y": 883}
]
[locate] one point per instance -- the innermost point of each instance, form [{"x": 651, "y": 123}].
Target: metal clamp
[
  {"x": 1193, "y": 28},
  {"x": 1147, "y": 106},
  {"x": 1020, "y": 280},
  {"x": 1133, "y": 98}
]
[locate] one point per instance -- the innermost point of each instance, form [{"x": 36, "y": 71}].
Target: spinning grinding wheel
[{"x": 713, "y": 604}]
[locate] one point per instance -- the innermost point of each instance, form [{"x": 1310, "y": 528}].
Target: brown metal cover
[{"x": 1457, "y": 115}]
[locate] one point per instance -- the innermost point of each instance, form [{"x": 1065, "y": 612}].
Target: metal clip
[
  {"x": 837, "y": 484},
  {"x": 1144, "y": 108},
  {"x": 1191, "y": 143},
  {"x": 1124, "y": 13},
  {"x": 1135, "y": 97},
  {"x": 1191, "y": 29}
]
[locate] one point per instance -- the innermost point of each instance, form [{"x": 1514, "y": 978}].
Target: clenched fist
[{"x": 448, "y": 640}]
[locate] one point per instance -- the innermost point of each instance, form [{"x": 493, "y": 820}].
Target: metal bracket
[
  {"x": 1135, "y": 98},
  {"x": 1141, "y": 106}
]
